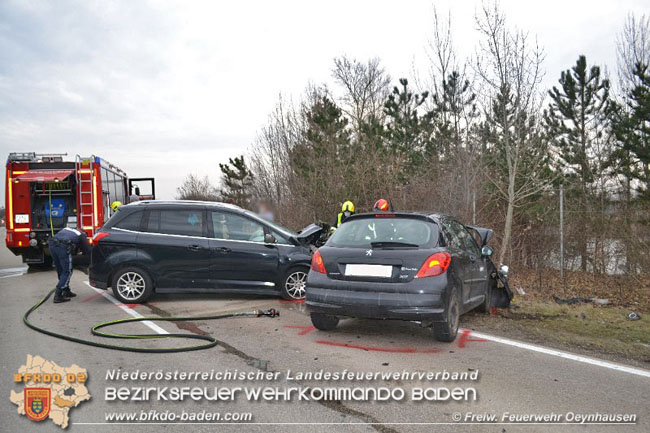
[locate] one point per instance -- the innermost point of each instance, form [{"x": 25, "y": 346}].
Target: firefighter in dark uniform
[{"x": 63, "y": 246}]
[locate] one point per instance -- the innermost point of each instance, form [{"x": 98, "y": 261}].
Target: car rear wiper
[{"x": 392, "y": 244}]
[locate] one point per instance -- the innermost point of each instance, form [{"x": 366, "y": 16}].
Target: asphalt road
[{"x": 515, "y": 380}]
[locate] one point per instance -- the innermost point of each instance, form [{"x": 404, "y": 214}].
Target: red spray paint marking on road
[
  {"x": 462, "y": 340},
  {"x": 295, "y": 301},
  {"x": 91, "y": 297},
  {"x": 132, "y": 306},
  {"x": 465, "y": 338},
  {"x": 378, "y": 349},
  {"x": 305, "y": 329}
]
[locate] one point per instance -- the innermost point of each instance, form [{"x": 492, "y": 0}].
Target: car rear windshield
[{"x": 385, "y": 233}]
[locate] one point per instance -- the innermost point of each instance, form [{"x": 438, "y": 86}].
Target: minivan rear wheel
[
  {"x": 294, "y": 283},
  {"x": 132, "y": 285},
  {"x": 446, "y": 331},
  {"x": 324, "y": 322}
]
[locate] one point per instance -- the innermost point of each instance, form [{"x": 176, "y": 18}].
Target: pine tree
[
  {"x": 408, "y": 130},
  {"x": 577, "y": 123},
  {"x": 452, "y": 108},
  {"x": 631, "y": 125},
  {"x": 321, "y": 162},
  {"x": 576, "y": 120},
  {"x": 237, "y": 181}
]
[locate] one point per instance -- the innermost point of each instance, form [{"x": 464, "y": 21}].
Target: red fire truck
[{"x": 44, "y": 194}]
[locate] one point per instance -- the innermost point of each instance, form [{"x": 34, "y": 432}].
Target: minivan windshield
[{"x": 385, "y": 233}]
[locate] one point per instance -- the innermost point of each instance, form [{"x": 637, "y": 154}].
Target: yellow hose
[{"x": 51, "y": 225}]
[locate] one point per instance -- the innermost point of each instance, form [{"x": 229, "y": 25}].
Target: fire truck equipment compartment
[{"x": 44, "y": 176}]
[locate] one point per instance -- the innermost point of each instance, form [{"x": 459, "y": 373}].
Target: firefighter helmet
[
  {"x": 115, "y": 205},
  {"x": 348, "y": 206},
  {"x": 382, "y": 205}
]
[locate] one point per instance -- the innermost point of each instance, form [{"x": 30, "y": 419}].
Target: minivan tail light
[
  {"x": 435, "y": 264},
  {"x": 99, "y": 236},
  {"x": 317, "y": 263}
]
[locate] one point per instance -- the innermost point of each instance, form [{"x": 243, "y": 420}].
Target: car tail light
[
  {"x": 99, "y": 236},
  {"x": 435, "y": 264},
  {"x": 317, "y": 263}
]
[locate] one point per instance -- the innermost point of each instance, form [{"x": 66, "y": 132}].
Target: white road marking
[
  {"x": 128, "y": 310},
  {"x": 561, "y": 354},
  {"x": 13, "y": 272}
]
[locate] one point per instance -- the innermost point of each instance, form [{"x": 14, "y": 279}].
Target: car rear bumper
[
  {"x": 424, "y": 300},
  {"x": 98, "y": 272}
]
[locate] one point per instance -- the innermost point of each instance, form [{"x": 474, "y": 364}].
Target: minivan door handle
[
  {"x": 222, "y": 250},
  {"x": 195, "y": 247}
]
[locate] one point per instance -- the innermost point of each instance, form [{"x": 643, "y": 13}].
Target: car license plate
[{"x": 380, "y": 271}]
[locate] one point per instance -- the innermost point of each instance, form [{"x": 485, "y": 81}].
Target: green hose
[{"x": 211, "y": 341}]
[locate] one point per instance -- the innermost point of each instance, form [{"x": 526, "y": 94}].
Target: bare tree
[
  {"x": 196, "y": 188},
  {"x": 509, "y": 65},
  {"x": 453, "y": 103},
  {"x": 632, "y": 49},
  {"x": 270, "y": 159},
  {"x": 365, "y": 85}
]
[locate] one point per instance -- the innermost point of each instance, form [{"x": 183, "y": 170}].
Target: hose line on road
[{"x": 211, "y": 341}]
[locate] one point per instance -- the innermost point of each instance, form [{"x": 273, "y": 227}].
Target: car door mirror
[
  {"x": 269, "y": 239},
  {"x": 486, "y": 251}
]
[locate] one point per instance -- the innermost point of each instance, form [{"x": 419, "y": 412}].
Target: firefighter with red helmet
[{"x": 382, "y": 205}]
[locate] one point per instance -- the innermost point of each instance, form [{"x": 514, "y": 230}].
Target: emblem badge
[
  {"x": 369, "y": 252},
  {"x": 37, "y": 403}
]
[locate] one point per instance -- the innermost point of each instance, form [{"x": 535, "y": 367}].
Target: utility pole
[
  {"x": 474, "y": 207},
  {"x": 562, "y": 234}
]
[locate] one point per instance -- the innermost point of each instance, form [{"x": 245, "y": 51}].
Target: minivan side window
[
  {"x": 130, "y": 222},
  {"x": 186, "y": 222},
  {"x": 230, "y": 226}
]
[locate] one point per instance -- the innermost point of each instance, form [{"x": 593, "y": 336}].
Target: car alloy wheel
[
  {"x": 295, "y": 284},
  {"x": 131, "y": 286}
]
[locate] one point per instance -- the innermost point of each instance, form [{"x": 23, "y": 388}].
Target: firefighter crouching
[{"x": 63, "y": 246}]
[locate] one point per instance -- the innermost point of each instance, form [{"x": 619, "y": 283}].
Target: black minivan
[{"x": 185, "y": 246}]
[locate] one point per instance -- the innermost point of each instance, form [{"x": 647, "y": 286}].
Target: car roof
[
  {"x": 184, "y": 203},
  {"x": 424, "y": 215}
]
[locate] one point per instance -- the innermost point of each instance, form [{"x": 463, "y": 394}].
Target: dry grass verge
[{"x": 579, "y": 328}]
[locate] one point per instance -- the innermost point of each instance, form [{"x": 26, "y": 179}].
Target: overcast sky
[{"x": 167, "y": 88}]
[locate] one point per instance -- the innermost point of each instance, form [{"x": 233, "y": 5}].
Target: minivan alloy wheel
[
  {"x": 296, "y": 284},
  {"x": 131, "y": 285}
]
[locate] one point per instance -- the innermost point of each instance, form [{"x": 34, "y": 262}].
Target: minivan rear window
[
  {"x": 361, "y": 233},
  {"x": 176, "y": 222}
]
